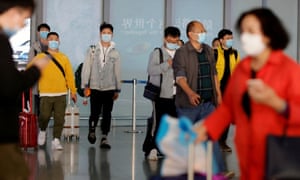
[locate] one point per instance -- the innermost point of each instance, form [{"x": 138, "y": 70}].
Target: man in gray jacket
[
  {"x": 41, "y": 45},
  {"x": 161, "y": 74},
  {"x": 101, "y": 74}
]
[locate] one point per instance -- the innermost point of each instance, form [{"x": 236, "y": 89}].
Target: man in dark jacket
[
  {"x": 13, "y": 14},
  {"x": 198, "y": 90}
]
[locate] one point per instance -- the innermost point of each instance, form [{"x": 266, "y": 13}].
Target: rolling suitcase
[
  {"x": 71, "y": 126},
  {"x": 185, "y": 160},
  {"x": 28, "y": 128}
]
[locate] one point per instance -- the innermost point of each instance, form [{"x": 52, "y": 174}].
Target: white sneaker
[
  {"x": 153, "y": 155},
  {"x": 42, "y": 138},
  {"x": 56, "y": 144}
]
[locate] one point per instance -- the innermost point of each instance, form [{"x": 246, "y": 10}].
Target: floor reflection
[{"x": 80, "y": 160}]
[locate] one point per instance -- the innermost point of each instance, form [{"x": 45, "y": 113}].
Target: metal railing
[{"x": 134, "y": 83}]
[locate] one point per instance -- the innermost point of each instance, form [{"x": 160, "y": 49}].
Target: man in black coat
[{"x": 13, "y": 14}]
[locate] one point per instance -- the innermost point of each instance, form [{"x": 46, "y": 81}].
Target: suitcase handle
[{"x": 30, "y": 101}]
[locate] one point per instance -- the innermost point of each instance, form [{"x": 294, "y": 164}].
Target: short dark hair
[
  {"x": 223, "y": 33},
  {"x": 43, "y": 25},
  {"x": 182, "y": 42},
  {"x": 105, "y": 25},
  {"x": 52, "y": 33},
  {"x": 189, "y": 27},
  {"x": 8, "y": 4},
  {"x": 214, "y": 40},
  {"x": 172, "y": 31},
  {"x": 271, "y": 27}
]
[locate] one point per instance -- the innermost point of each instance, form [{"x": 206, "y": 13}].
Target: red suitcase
[{"x": 28, "y": 125}]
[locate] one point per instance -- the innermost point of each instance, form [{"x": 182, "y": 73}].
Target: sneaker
[
  {"x": 153, "y": 155},
  {"x": 42, "y": 138},
  {"x": 224, "y": 147},
  {"x": 92, "y": 137},
  {"x": 56, "y": 144},
  {"x": 104, "y": 143}
]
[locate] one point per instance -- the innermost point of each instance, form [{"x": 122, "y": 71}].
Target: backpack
[
  {"x": 80, "y": 90},
  {"x": 78, "y": 71}
]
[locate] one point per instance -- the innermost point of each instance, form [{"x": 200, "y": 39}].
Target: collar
[
  {"x": 112, "y": 44},
  {"x": 275, "y": 58},
  {"x": 190, "y": 47}
]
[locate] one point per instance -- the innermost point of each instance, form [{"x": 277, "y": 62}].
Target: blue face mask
[
  {"x": 201, "y": 37},
  {"x": 106, "y": 37},
  {"x": 229, "y": 43},
  {"x": 53, "y": 45},
  {"x": 9, "y": 32},
  {"x": 172, "y": 46},
  {"x": 43, "y": 34}
]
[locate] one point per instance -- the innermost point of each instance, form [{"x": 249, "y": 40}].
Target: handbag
[
  {"x": 282, "y": 158},
  {"x": 152, "y": 91}
]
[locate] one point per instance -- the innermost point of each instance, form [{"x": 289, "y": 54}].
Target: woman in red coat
[{"x": 263, "y": 93}]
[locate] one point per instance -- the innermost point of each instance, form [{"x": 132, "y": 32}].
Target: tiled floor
[{"x": 82, "y": 161}]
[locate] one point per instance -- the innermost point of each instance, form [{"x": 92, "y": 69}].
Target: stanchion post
[
  {"x": 133, "y": 105},
  {"x": 134, "y": 82}
]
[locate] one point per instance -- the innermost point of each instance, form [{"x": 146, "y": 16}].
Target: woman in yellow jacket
[{"x": 227, "y": 59}]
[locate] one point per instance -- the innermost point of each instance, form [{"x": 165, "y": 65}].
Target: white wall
[
  {"x": 288, "y": 13},
  {"x": 77, "y": 22}
]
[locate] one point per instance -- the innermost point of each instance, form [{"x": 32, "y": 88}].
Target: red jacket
[{"x": 283, "y": 75}]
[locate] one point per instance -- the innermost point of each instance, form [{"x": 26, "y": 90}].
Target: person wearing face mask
[
  {"x": 41, "y": 45},
  {"x": 13, "y": 14},
  {"x": 37, "y": 47},
  {"x": 101, "y": 74},
  {"x": 198, "y": 91},
  {"x": 161, "y": 74},
  {"x": 196, "y": 75},
  {"x": 53, "y": 87},
  {"x": 227, "y": 58},
  {"x": 262, "y": 93}
]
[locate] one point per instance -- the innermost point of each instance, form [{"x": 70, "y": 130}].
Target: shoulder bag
[{"x": 152, "y": 91}]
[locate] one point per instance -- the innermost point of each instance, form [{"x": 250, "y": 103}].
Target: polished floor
[{"x": 82, "y": 161}]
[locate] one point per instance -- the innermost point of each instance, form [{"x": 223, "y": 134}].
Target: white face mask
[{"x": 252, "y": 44}]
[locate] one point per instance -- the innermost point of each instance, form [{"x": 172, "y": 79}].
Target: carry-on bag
[
  {"x": 28, "y": 128},
  {"x": 71, "y": 126},
  {"x": 185, "y": 160}
]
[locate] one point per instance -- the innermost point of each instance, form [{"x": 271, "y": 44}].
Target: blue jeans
[{"x": 198, "y": 113}]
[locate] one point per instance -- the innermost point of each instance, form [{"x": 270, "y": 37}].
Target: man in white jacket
[{"x": 101, "y": 76}]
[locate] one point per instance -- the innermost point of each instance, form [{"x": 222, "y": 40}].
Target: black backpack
[
  {"x": 78, "y": 80},
  {"x": 78, "y": 71}
]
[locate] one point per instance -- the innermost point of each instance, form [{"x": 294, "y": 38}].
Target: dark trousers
[
  {"x": 101, "y": 102},
  {"x": 164, "y": 106},
  {"x": 161, "y": 107},
  {"x": 55, "y": 106},
  {"x": 36, "y": 101},
  {"x": 13, "y": 165}
]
